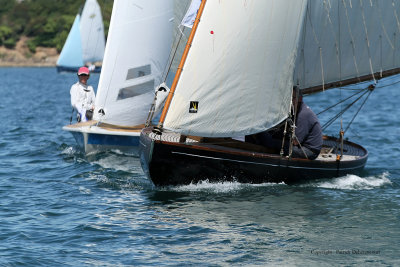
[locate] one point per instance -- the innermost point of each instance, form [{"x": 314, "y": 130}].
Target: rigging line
[
  {"x": 172, "y": 55},
  {"x": 178, "y": 41},
  {"x": 352, "y": 89},
  {"x": 312, "y": 27},
  {"x": 394, "y": 51},
  {"x": 359, "y": 109},
  {"x": 384, "y": 28},
  {"x": 334, "y": 118},
  {"x": 388, "y": 84},
  {"x": 333, "y": 32},
  {"x": 319, "y": 46},
  {"x": 340, "y": 52},
  {"x": 352, "y": 38},
  {"x": 394, "y": 77},
  {"x": 322, "y": 69},
  {"x": 380, "y": 43},
  {"x": 329, "y": 122},
  {"x": 367, "y": 39},
  {"x": 395, "y": 14},
  {"x": 180, "y": 67},
  {"x": 328, "y": 108},
  {"x": 167, "y": 68}
]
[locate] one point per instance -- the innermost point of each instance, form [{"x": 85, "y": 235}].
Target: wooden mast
[{"x": 181, "y": 64}]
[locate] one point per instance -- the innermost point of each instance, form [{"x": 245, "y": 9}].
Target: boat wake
[
  {"x": 354, "y": 182},
  {"x": 349, "y": 182},
  {"x": 220, "y": 187},
  {"x": 118, "y": 162},
  {"x": 67, "y": 150}
]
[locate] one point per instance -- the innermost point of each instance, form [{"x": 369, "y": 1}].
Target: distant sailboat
[
  {"x": 136, "y": 55},
  {"x": 85, "y": 42},
  {"x": 236, "y": 77}
]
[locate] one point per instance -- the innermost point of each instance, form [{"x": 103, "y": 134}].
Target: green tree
[
  {"x": 5, "y": 33},
  {"x": 46, "y": 22}
]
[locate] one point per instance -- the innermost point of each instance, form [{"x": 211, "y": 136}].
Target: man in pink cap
[{"x": 82, "y": 96}]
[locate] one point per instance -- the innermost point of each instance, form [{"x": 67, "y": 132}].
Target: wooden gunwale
[{"x": 247, "y": 149}]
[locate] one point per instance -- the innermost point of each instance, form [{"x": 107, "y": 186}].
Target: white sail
[
  {"x": 92, "y": 32},
  {"x": 237, "y": 78},
  {"x": 348, "y": 39},
  {"x": 71, "y": 54},
  {"x": 191, "y": 13},
  {"x": 138, "y": 46},
  {"x": 181, "y": 34}
]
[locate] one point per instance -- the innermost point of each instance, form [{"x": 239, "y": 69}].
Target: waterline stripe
[{"x": 259, "y": 163}]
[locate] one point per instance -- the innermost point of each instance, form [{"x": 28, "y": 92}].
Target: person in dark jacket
[
  {"x": 308, "y": 133},
  {"x": 307, "y": 141}
]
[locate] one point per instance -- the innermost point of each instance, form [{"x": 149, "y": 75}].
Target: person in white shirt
[{"x": 82, "y": 96}]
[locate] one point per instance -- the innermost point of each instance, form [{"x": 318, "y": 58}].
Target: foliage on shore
[{"x": 46, "y": 23}]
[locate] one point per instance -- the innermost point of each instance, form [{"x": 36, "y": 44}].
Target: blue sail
[{"x": 71, "y": 54}]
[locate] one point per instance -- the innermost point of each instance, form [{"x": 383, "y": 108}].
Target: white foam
[
  {"x": 84, "y": 190},
  {"x": 119, "y": 163},
  {"x": 354, "y": 182},
  {"x": 69, "y": 151},
  {"x": 220, "y": 187}
]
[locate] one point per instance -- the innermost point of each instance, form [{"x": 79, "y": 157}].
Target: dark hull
[
  {"x": 174, "y": 163},
  {"x": 75, "y": 69}
]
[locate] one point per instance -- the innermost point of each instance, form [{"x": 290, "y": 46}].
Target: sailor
[
  {"x": 82, "y": 96},
  {"x": 308, "y": 133}
]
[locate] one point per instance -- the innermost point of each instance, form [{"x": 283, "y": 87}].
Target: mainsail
[
  {"x": 346, "y": 42},
  {"x": 92, "y": 32},
  {"x": 138, "y": 46},
  {"x": 237, "y": 78},
  {"x": 71, "y": 54}
]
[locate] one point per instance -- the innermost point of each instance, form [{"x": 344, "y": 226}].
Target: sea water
[{"x": 60, "y": 208}]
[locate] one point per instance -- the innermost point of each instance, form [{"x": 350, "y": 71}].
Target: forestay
[
  {"x": 180, "y": 34},
  {"x": 348, "y": 41},
  {"x": 238, "y": 76},
  {"x": 136, "y": 55},
  {"x": 71, "y": 54},
  {"x": 92, "y": 32}
]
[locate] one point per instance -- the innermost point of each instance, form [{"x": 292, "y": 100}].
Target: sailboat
[
  {"x": 137, "y": 52},
  {"x": 85, "y": 42},
  {"x": 236, "y": 76}
]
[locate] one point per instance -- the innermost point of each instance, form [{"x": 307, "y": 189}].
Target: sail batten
[{"x": 216, "y": 96}]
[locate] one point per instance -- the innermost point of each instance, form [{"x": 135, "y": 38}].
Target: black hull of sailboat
[{"x": 174, "y": 163}]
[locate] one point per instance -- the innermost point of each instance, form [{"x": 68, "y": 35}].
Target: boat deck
[{"x": 328, "y": 153}]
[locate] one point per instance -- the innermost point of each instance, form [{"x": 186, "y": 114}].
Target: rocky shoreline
[{"x": 21, "y": 56}]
